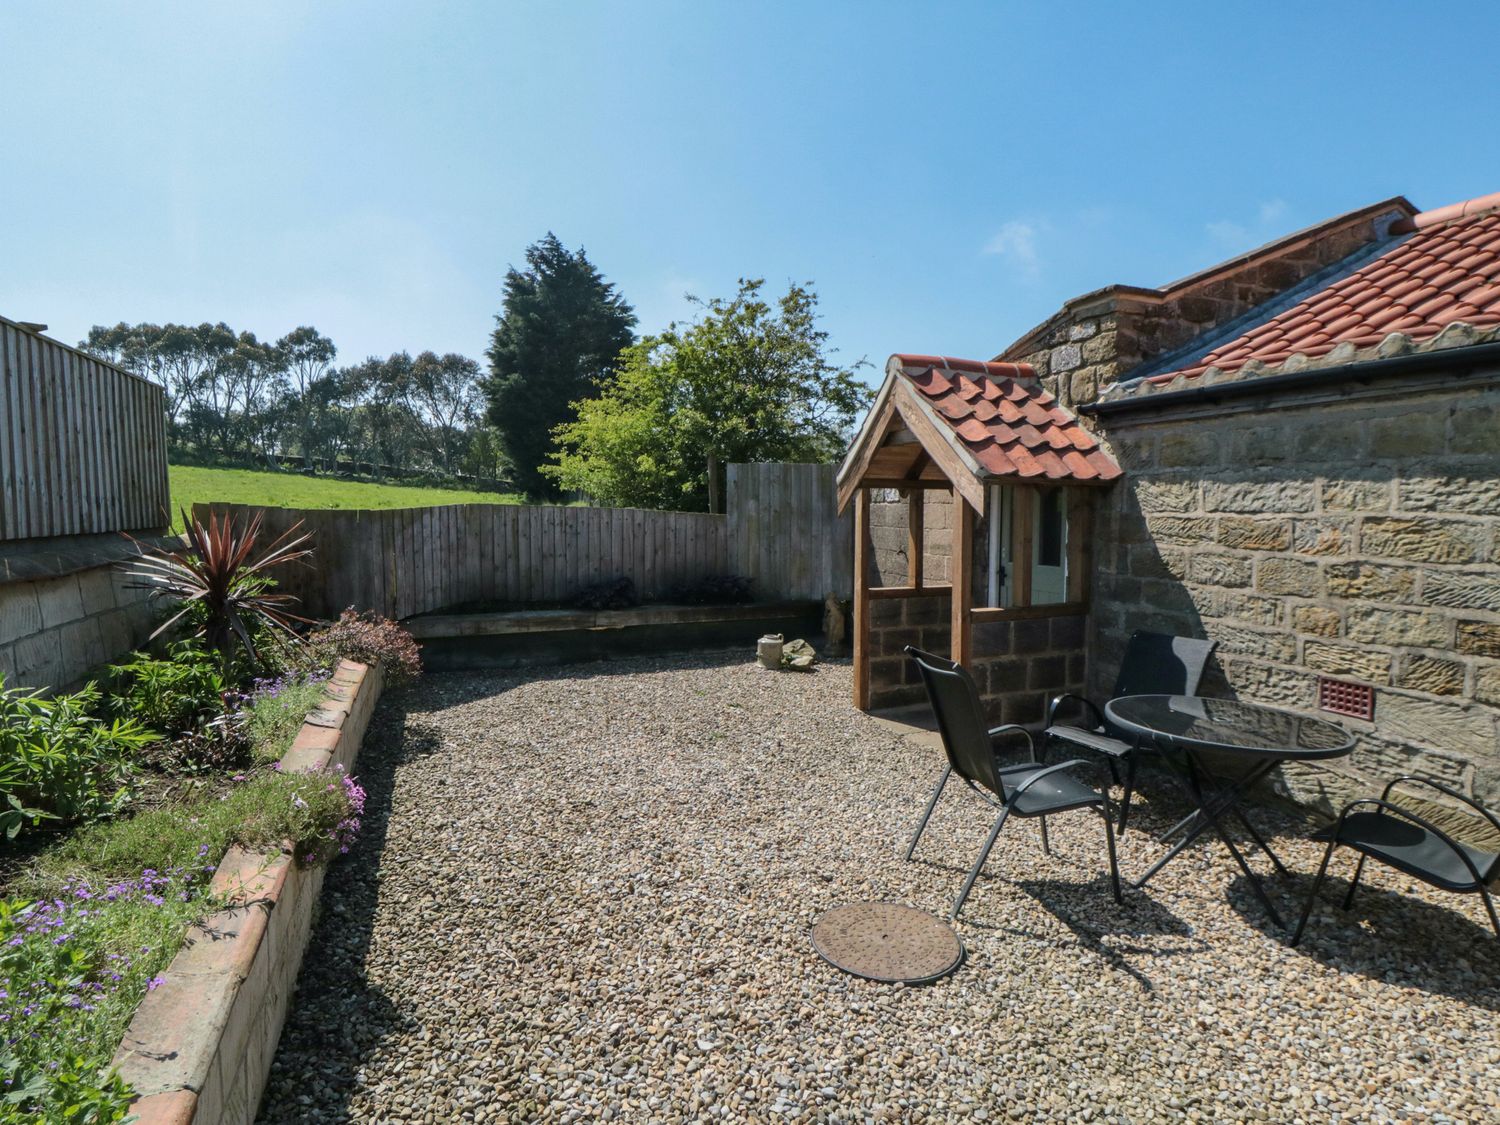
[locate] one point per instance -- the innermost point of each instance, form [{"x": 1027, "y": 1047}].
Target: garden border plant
[
  {"x": 200, "y": 1045},
  {"x": 84, "y": 953}
]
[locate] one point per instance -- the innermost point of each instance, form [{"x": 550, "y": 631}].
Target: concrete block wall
[
  {"x": 1354, "y": 539},
  {"x": 55, "y": 630}
]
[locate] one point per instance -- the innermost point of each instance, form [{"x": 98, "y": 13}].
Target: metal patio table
[{"x": 1189, "y": 727}]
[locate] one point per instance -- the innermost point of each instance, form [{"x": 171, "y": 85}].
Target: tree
[
  {"x": 746, "y": 382},
  {"x": 559, "y": 337},
  {"x": 307, "y": 358},
  {"x": 444, "y": 392}
]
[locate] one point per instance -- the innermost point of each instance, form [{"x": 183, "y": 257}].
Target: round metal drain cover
[{"x": 887, "y": 941}]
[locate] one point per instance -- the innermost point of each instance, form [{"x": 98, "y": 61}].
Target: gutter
[{"x": 1459, "y": 361}]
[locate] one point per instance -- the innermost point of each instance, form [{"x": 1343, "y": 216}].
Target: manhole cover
[{"x": 886, "y": 941}]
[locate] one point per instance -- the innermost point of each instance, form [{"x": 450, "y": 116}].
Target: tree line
[
  {"x": 572, "y": 401},
  {"x": 231, "y": 395}
]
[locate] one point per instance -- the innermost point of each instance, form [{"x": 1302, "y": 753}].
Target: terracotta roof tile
[
  {"x": 1446, "y": 270},
  {"x": 1009, "y": 424}
]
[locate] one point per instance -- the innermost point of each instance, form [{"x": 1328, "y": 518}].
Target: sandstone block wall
[
  {"x": 55, "y": 629},
  {"x": 1017, "y": 665},
  {"x": 888, "y": 518},
  {"x": 1360, "y": 540}
]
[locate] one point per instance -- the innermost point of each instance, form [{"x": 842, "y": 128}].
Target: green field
[{"x": 192, "y": 485}]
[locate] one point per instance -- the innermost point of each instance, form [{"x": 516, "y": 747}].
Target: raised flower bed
[{"x": 201, "y": 1042}]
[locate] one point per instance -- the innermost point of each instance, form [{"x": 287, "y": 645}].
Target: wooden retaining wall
[{"x": 83, "y": 445}]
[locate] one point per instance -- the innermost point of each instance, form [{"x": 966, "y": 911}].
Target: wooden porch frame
[{"x": 963, "y": 614}]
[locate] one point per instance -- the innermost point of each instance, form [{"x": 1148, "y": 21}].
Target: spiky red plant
[{"x": 222, "y": 571}]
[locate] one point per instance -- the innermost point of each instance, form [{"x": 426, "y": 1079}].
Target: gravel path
[{"x": 587, "y": 895}]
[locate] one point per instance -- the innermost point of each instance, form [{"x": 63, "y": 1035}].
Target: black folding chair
[
  {"x": 1027, "y": 790},
  {"x": 1411, "y": 844},
  {"x": 1154, "y": 664}
]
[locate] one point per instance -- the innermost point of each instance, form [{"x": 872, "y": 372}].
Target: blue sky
[{"x": 945, "y": 174}]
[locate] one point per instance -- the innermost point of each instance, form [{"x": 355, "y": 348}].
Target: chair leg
[
  {"x": 984, "y": 854},
  {"x": 1489, "y": 905},
  {"x": 1046, "y": 844},
  {"x": 1312, "y": 896},
  {"x": 1109, "y": 841},
  {"x": 1129, "y": 789},
  {"x": 927, "y": 812},
  {"x": 1354, "y": 884}
]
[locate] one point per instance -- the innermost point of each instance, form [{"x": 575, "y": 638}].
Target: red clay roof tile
[
  {"x": 1009, "y": 424},
  {"x": 1447, "y": 270}
]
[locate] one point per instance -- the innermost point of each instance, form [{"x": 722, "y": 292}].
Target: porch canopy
[{"x": 1006, "y": 449}]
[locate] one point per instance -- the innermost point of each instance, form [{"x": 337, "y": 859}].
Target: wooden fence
[
  {"x": 415, "y": 560},
  {"x": 780, "y": 531},
  {"x": 785, "y": 530},
  {"x": 83, "y": 445}
]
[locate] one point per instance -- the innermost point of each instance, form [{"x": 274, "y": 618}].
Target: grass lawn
[{"x": 192, "y": 485}]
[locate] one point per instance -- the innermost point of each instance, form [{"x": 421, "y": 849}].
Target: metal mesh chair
[
  {"x": 1380, "y": 830},
  {"x": 1154, "y": 664},
  {"x": 1027, "y": 790}
]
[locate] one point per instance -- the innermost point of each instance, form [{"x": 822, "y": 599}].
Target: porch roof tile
[{"x": 1009, "y": 424}]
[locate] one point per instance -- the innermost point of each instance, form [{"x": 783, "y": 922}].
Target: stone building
[{"x": 1310, "y": 442}]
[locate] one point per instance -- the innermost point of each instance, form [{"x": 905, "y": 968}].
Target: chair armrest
[
  {"x": 1014, "y": 728},
  {"x": 1421, "y": 822},
  {"x": 1431, "y": 784},
  {"x": 1034, "y": 778},
  {"x": 1057, "y": 701}
]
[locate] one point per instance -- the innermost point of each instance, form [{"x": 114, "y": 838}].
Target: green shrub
[
  {"x": 174, "y": 694},
  {"x": 369, "y": 639},
  {"x": 275, "y": 710},
  {"x": 58, "y": 761}
]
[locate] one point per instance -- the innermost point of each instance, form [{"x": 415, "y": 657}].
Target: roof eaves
[{"x": 1398, "y": 352}]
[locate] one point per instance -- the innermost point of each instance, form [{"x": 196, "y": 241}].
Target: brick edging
[{"x": 200, "y": 1045}]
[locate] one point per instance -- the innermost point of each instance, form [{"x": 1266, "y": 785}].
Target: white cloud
[
  {"x": 1229, "y": 233},
  {"x": 1272, "y": 211},
  {"x": 1016, "y": 243},
  {"x": 1269, "y": 222}
]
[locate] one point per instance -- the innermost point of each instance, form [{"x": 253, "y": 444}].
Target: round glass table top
[{"x": 1228, "y": 724}]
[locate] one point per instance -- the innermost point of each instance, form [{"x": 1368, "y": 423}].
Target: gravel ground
[{"x": 587, "y": 894}]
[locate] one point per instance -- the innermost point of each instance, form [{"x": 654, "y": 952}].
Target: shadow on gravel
[
  {"x": 1117, "y": 934},
  {"x": 338, "y": 1020},
  {"x": 1406, "y": 942}
]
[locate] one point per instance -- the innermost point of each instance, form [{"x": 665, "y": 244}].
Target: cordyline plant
[{"x": 223, "y": 576}]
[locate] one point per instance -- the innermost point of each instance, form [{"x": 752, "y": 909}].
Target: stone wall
[
  {"x": 64, "y": 613},
  {"x": 1017, "y": 665},
  {"x": 1359, "y": 539},
  {"x": 888, "y": 516}
]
